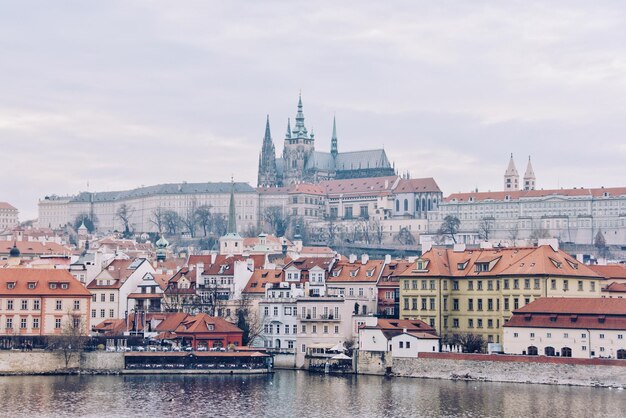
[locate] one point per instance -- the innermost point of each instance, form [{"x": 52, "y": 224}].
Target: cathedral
[{"x": 300, "y": 162}]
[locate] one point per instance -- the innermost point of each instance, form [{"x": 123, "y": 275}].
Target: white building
[
  {"x": 8, "y": 216},
  {"x": 411, "y": 343},
  {"x": 568, "y": 327},
  {"x": 376, "y": 334}
]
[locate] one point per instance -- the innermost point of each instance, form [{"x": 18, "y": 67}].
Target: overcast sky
[{"x": 119, "y": 94}]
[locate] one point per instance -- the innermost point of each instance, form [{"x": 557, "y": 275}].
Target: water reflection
[{"x": 296, "y": 394}]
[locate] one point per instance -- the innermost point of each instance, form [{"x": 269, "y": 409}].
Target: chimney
[
  {"x": 427, "y": 246},
  {"x": 459, "y": 248},
  {"x": 552, "y": 242},
  {"x": 364, "y": 258},
  {"x": 404, "y": 330},
  {"x": 352, "y": 258},
  {"x": 387, "y": 258},
  {"x": 250, "y": 263},
  {"x": 213, "y": 256},
  {"x": 199, "y": 271},
  {"x": 486, "y": 245}
]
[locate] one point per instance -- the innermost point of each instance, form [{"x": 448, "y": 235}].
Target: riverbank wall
[
  {"x": 44, "y": 362},
  {"x": 498, "y": 368}
]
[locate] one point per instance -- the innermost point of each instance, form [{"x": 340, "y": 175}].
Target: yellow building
[{"x": 474, "y": 291}]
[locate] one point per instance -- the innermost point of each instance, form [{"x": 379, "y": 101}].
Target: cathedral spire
[
  {"x": 267, "y": 159},
  {"x": 300, "y": 129},
  {"x": 232, "y": 221},
  {"x": 333, "y": 140},
  {"x": 511, "y": 177},
  {"x": 288, "y": 135},
  {"x": 529, "y": 177}
]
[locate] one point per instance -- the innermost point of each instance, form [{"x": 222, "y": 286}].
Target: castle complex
[{"x": 300, "y": 162}]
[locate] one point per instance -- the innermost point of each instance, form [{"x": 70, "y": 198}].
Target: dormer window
[
  {"x": 64, "y": 285},
  {"x": 422, "y": 265},
  {"x": 462, "y": 265},
  {"x": 11, "y": 285},
  {"x": 53, "y": 285},
  {"x": 31, "y": 285},
  {"x": 478, "y": 267},
  {"x": 557, "y": 264}
]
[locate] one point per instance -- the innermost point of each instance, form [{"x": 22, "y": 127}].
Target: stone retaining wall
[
  {"x": 40, "y": 362},
  {"x": 496, "y": 368}
]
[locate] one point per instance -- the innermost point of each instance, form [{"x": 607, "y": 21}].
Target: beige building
[
  {"x": 8, "y": 216},
  {"x": 475, "y": 291},
  {"x": 568, "y": 327},
  {"x": 37, "y": 302}
]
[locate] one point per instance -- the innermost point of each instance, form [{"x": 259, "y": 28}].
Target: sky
[{"x": 112, "y": 95}]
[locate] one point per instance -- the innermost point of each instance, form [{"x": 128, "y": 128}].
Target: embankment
[
  {"x": 499, "y": 368},
  {"x": 44, "y": 362}
]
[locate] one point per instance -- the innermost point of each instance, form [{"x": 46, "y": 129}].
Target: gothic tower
[
  {"x": 333, "y": 141},
  {"x": 299, "y": 146},
  {"x": 529, "y": 177},
  {"x": 511, "y": 177},
  {"x": 267, "y": 160}
]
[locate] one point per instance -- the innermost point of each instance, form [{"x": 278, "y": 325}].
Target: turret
[
  {"x": 529, "y": 177},
  {"x": 333, "y": 141},
  {"x": 267, "y": 160},
  {"x": 511, "y": 177}
]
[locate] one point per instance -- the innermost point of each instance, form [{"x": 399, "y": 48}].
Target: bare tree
[
  {"x": 600, "y": 243},
  {"x": 471, "y": 343},
  {"x": 514, "y": 233},
  {"x": 220, "y": 224},
  {"x": 249, "y": 320},
  {"x": 72, "y": 338},
  {"x": 189, "y": 219},
  {"x": 204, "y": 218},
  {"x": 171, "y": 221},
  {"x": 539, "y": 233},
  {"x": 84, "y": 218},
  {"x": 276, "y": 218},
  {"x": 332, "y": 230},
  {"x": 485, "y": 227},
  {"x": 449, "y": 227},
  {"x": 158, "y": 219},
  {"x": 377, "y": 229},
  {"x": 405, "y": 237},
  {"x": 124, "y": 213}
]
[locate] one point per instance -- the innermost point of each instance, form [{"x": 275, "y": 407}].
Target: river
[{"x": 295, "y": 393}]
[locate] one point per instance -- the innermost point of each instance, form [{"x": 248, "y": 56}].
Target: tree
[
  {"x": 449, "y": 227},
  {"x": 471, "y": 343},
  {"x": 332, "y": 230},
  {"x": 124, "y": 213},
  {"x": 248, "y": 320},
  {"x": 484, "y": 228},
  {"x": 72, "y": 338},
  {"x": 204, "y": 218},
  {"x": 158, "y": 219},
  {"x": 220, "y": 225},
  {"x": 171, "y": 221},
  {"x": 405, "y": 237},
  {"x": 539, "y": 233},
  {"x": 377, "y": 229},
  {"x": 276, "y": 218},
  {"x": 90, "y": 222},
  {"x": 600, "y": 243},
  {"x": 190, "y": 219},
  {"x": 514, "y": 233}
]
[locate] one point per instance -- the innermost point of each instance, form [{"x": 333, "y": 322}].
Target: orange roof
[
  {"x": 596, "y": 306},
  {"x": 520, "y": 194},
  {"x": 512, "y": 261},
  {"x": 417, "y": 186},
  {"x": 203, "y": 323},
  {"x": 33, "y": 247},
  {"x": 6, "y": 205},
  {"x": 610, "y": 271},
  {"x": 224, "y": 264},
  {"x": 119, "y": 270},
  {"x": 42, "y": 280},
  {"x": 390, "y": 272},
  {"x": 307, "y": 263},
  {"x": 344, "y": 271},
  {"x": 616, "y": 287},
  {"x": 260, "y": 278},
  {"x": 272, "y": 190},
  {"x": 307, "y": 188},
  {"x": 364, "y": 186},
  {"x": 307, "y": 250}
]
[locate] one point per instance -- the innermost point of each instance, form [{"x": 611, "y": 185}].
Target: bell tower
[
  {"x": 511, "y": 177},
  {"x": 299, "y": 146}
]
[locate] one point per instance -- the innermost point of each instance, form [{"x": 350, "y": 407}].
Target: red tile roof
[
  {"x": 33, "y": 247},
  {"x": 344, "y": 271},
  {"x": 42, "y": 279},
  {"x": 610, "y": 271},
  {"x": 307, "y": 263},
  {"x": 261, "y": 278},
  {"x": 424, "y": 185},
  {"x": 6, "y": 205},
  {"x": 306, "y": 188},
  {"x": 616, "y": 287},
  {"x": 119, "y": 270},
  {"x": 520, "y": 194},
  {"x": 513, "y": 261},
  {"x": 373, "y": 186},
  {"x": 577, "y": 313}
]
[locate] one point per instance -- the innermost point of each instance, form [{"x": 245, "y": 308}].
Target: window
[
  {"x": 601, "y": 336},
  {"x": 470, "y": 304},
  {"x": 58, "y": 306},
  {"x": 414, "y": 304},
  {"x": 112, "y": 297},
  {"x": 431, "y": 322},
  {"x": 592, "y": 286},
  {"x": 470, "y": 323},
  {"x": 414, "y": 284},
  {"x": 480, "y": 323},
  {"x": 490, "y": 304},
  {"x": 553, "y": 284},
  {"x": 360, "y": 291},
  {"x": 325, "y": 329},
  {"x": 515, "y": 303},
  {"x": 336, "y": 329},
  {"x": 266, "y": 311},
  {"x": 455, "y": 323},
  {"x": 506, "y": 304},
  {"x": 93, "y": 313},
  {"x": 455, "y": 304},
  {"x": 406, "y": 304},
  {"x": 470, "y": 285},
  {"x": 77, "y": 305},
  {"x": 314, "y": 329},
  {"x": 294, "y": 328},
  {"x": 549, "y": 335},
  {"x": 9, "y": 323},
  {"x": 9, "y": 305},
  {"x": 565, "y": 284},
  {"x": 580, "y": 285},
  {"x": 303, "y": 329},
  {"x": 424, "y": 304},
  {"x": 515, "y": 335},
  {"x": 424, "y": 284},
  {"x": 479, "y": 284},
  {"x": 515, "y": 283},
  {"x": 480, "y": 304},
  {"x": 35, "y": 323},
  {"x": 408, "y": 344},
  {"x": 111, "y": 313},
  {"x": 583, "y": 335},
  {"x": 455, "y": 285},
  {"x": 490, "y": 323},
  {"x": 406, "y": 284},
  {"x": 36, "y": 304},
  {"x": 401, "y": 343},
  {"x": 24, "y": 304},
  {"x": 537, "y": 284},
  {"x": 303, "y": 348},
  {"x": 506, "y": 283},
  {"x": 489, "y": 284},
  {"x": 432, "y": 304},
  {"x": 566, "y": 335},
  {"x": 275, "y": 310},
  {"x": 526, "y": 283},
  {"x": 23, "y": 323},
  {"x": 57, "y": 323},
  {"x": 93, "y": 297},
  {"x": 102, "y": 313},
  {"x": 532, "y": 335},
  {"x": 102, "y": 297},
  {"x": 432, "y": 286}
]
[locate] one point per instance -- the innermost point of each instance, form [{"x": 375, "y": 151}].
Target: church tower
[
  {"x": 267, "y": 160},
  {"x": 299, "y": 146},
  {"x": 333, "y": 141},
  {"x": 511, "y": 177},
  {"x": 529, "y": 177},
  {"x": 232, "y": 242}
]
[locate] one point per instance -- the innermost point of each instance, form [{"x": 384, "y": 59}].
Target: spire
[
  {"x": 333, "y": 140},
  {"x": 529, "y": 177},
  {"x": 232, "y": 221},
  {"x": 511, "y": 170},
  {"x": 268, "y": 136},
  {"x": 300, "y": 129},
  {"x": 267, "y": 159},
  {"x": 511, "y": 177},
  {"x": 288, "y": 134}
]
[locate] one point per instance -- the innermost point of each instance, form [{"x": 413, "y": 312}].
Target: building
[
  {"x": 36, "y": 302},
  {"x": 147, "y": 206},
  {"x": 475, "y": 291},
  {"x": 300, "y": 162},
  {"x": 568, "y": 327},
  {"x": 376, "y": 333},
  {"x": 309, "y": 274},
  {"x": 389, "y": 288},
  {"x": 355, "y": 280},
  {"x": 111, "y": 288},
  {"x": 8, "y": 216},
  {"x": 149, "y": 294}
]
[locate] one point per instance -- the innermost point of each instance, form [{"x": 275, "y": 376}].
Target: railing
[{"x": 319, "y": 317}]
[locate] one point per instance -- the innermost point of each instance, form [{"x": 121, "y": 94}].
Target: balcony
[{"x": 327, "y": 318}]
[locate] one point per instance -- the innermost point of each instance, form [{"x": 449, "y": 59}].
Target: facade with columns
[{"x": 300, "y": 162}]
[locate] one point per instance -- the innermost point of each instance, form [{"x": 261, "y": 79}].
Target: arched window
[
  {"x": 406, "y": 205},
  {"x": 397, "y": 206},
  {"x": 417, "y": 205},
  {"x": 566, "y": 352},
  {"x": 424, "y": 208},
  {"x": 549, "y": 351},
  {"x": 430, "y": 204},
  {"x": 532, "y": 351},
  {"x": 621, "y": 354}
]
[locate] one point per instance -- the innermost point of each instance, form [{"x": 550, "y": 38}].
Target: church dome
[
  {"x": 162, "y": 242},
  {"x": 14, "y": 252}
]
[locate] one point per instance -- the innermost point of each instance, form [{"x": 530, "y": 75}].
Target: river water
[{"x": 295, "y": 393}]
